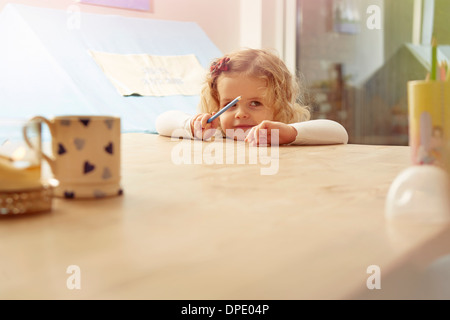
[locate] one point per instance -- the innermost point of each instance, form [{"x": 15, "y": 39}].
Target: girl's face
[{"x": 250, "y": 111}]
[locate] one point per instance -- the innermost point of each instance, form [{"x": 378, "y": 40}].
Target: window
[{"x": 356, "y": 57}]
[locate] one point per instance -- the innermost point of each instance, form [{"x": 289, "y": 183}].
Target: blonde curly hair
[{"x": 286, "y": 97}]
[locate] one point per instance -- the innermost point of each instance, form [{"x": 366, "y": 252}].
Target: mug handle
[{"x": 50, "y": 160}]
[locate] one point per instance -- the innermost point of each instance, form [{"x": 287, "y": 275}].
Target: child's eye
[
  {"x": 255, "y": 104},
  {"x": 230, "y": 108}
]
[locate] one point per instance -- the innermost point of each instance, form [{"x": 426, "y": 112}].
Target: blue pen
[{"x": 232, "y": 103}]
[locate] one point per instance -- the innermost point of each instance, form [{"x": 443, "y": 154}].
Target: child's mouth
[
  {"x": 243, "y": 127},
  {"x": 238, "y": 132}
]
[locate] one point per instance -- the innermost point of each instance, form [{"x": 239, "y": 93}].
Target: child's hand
[
  {"x": 261, "y": 135},
  {"x": 201, "y": 129}
]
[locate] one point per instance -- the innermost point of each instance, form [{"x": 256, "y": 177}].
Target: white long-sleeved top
[{"x": 312, "y": 132}]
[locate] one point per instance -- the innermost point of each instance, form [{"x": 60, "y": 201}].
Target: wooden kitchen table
[{"x": 214, "y": 220}]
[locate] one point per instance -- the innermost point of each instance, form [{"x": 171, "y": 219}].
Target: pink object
[{"x": 126, "y": 4}]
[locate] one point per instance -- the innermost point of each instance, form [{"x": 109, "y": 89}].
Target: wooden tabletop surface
[{"x": 296, "y": 222}]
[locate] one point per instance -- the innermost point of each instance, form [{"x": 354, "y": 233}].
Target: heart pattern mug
[{"x": 85, "y": 157}]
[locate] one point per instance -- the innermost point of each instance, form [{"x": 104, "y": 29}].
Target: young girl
[{"x": 270, "y": 102}]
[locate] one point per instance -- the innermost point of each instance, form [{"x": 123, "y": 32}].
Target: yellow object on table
[
  {"x": 21, "y": 189},
  {"x": 15, "y": 178},
  {"x": 429, "y": 119}
]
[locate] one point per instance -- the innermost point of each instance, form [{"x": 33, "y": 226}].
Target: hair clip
[{"x": 219, "y": 66}]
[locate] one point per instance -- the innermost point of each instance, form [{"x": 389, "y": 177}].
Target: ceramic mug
[{"x": 85, "y": 157}]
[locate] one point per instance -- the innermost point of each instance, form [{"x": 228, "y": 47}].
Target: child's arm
[
  {"x": 181, "y": 125},
  {"x": 313, "y": 132},
  {"x": 320, "y": 131},
  {"x": 174, "y": 123}
]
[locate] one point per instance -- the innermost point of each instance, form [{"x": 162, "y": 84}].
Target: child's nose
[{"x": 241, "y": 112}]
